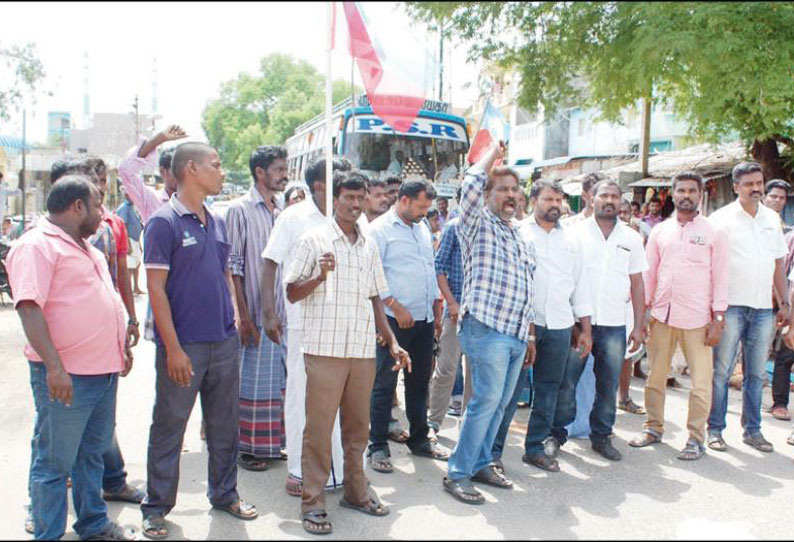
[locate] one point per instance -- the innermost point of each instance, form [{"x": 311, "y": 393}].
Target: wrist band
[{"x": 390, "y": 304}]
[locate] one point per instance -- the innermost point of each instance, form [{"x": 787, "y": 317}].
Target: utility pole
[
  {"x": 645, "y": 139},
  {"x": 137, "y": 120},
  {"x": 441, "y": 63},
  {"x": 22, "y": 173}
]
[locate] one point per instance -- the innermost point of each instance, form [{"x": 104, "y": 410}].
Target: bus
[{"x": 434, "y": 148}]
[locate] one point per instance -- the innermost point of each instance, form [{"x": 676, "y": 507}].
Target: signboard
[
  {"x": 421, "y": 127},
  {"x": 446, "y": 190},
  {"x": 429, "y": 105}
]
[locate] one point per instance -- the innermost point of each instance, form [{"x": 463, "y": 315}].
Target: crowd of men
[{"x": 297, "y": 320}]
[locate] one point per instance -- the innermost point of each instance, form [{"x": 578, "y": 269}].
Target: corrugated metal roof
[{"x": 11, "y": 142}]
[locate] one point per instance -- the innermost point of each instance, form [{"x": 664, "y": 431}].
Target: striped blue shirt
[
  {"x": 449, "y": 261},
  {"x": 499, "y": 265}
]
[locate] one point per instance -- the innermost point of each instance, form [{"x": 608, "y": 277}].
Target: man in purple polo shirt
[{"x": 186, "y": 253}]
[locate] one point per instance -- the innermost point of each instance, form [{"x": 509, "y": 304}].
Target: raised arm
[{"x": 472, "y": 196}]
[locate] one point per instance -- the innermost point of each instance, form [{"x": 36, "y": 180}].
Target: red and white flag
[
  {"x": 493, "y": 127},
  {"x": 395, "y": 67}
]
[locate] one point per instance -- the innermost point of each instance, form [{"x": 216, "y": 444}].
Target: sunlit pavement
[{"x": 650, "y": 494}]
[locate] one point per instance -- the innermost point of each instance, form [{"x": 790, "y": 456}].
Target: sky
[{"x": 197, "y": 46}]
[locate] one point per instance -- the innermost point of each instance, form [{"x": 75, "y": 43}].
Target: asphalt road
[{"x": 740, "y": 494}]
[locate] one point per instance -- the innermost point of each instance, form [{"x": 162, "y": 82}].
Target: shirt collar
[
  {"x": 395, "y": 218},
  {"x": 54, "y": 230},
  {"x": 180, "y": 208},
  {"x": 337, "y": 233},
  {"x": 534, "y": 222},
  {"x": 256, "y": 198}
]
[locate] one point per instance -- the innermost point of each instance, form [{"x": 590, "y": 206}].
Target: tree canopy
[
  {"x": 20, "y": 72},
  {"x": 727, "y": 68},
  {"x": 265, "y": 108}
]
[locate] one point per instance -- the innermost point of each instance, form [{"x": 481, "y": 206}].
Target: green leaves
[
  {"x": 265, "y": 108},
  {"x": 726, "y": 67},
  {"x": 20, "y": 72}
]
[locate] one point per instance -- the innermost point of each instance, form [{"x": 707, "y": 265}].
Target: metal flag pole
[{"x": 329, "y": 152}]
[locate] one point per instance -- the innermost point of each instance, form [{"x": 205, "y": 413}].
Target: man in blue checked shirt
[
  {"x": 497, "y": 331},
  {"x": 449, "y": 273}
]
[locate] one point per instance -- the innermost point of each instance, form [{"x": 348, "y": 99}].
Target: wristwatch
[
  {"x": 132, "y": 322},
  {"x": 719, "y": 318}
]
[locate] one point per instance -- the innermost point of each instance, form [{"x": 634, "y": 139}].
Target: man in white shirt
[
  {"x": 614, "y": 260},
  {"x": 449, "y": 172},
  {"x": 561, "y": 296},
  {"x": 396, "y": 165},
  {"x": 757, "y": 251},
  {"x": 280, "y": 250}
]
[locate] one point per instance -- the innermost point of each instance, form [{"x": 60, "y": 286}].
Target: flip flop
[
  {"x": 152, "y": 527},
  {"x": 252, "y": 463},
  {"x": 373, "y": 507},
  {"x": 462, "y": 488},
  {"x": 240, "y": 509},
  {"x": 318, "y": 518},
  {"x": 400, "y": 436},
  {"x": 491, "y": 476},
  {"x": 294, "y": 486},
  {"x": 381, "y": 462},
  {"x": 432, "y": 451}
]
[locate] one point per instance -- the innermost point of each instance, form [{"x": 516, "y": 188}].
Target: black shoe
[{"x": 606, "y": 450}]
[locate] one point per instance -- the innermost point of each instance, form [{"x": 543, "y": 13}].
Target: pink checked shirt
[
  {"x": 73, "y": 287},
  {"x": 145, "y": 199},
  {"x": 687, "y": 277}
]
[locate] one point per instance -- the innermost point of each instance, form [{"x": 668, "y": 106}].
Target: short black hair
[
  {"x": 349, "y": 180},
  {"x": 636, "y": 205},
  {"x": 541, "y": 184},
  {"x": 165, "y": 158},
  {"x": 413, "y": 187},
  {"x": 315, "y": 171},
  {"x": 377, "y": 182},
  {"x": 393, "y": 179},
  {"x": 603, "y": 183},
  {"x": 186, "y": 152},
  {"x": 744, "y": 168},
  {"x": 264, "y": 155},
  {"x": 777, "y": 183},
  {"x": 591, "y": 179},
  {"x": 69, "y": 189},
  {"x": 503, "y": 171},
  {"x": 70, "y": 166},
  {"x": 292, "y": 189},
  {"x": 95, "y": 162},
  {"x": 431, "y": 213},
  {"x": 654, "y": 199},
  {"x": 688, "y": 176}
]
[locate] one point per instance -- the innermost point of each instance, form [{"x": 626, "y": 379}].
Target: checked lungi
[{"x": 263, "y": 379}]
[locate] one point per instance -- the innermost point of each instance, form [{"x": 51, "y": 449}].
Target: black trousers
[{"x": 781, "y": 377}]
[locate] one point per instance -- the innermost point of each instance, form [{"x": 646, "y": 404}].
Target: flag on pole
[
  {"x": 396, "y": 81},
  {"x": 493, "y": 127}
]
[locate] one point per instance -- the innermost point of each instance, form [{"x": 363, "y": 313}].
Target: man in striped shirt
[
  {"x": 263, "y": 374},
  {"x": 497, "y": 317}
]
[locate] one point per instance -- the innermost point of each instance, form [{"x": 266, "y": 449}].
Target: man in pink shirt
[
  {"x": 686, "y": 288},
  {"x": 74, "y": 322}
]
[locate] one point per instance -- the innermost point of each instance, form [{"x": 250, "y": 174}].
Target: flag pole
[{"x": 329, "y": 152}]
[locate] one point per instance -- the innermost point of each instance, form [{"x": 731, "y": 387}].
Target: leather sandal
[
  {"x": 240, "y": 509},
  {"x": 542, "y": 461},
  {"x": 491, "y": 476},
  {"x": 316, "y": 522},
  {"x": 646, "y": 438},
  {"x": 463, "y": 490},
  {"x": 380, "y": 461}
]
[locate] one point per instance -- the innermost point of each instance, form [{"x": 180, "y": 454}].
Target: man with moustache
[
  {"x": 338, "y": 343},
  {"x": 497, "y": 318},
  {"x": 414, "y": 314},
  {"x": 186, "y": 253},
  {"x": 263, "y": 374},
  {"x": 377, "y": 201},
  {"x": 393, "y": 183},
  {"x": 686, "y": 289},
  {"x": 614, "y": 260},
  {"x": 587, "y": 199},
  {"x": 757, "y": 251},
  {"x": 562, "y": 296}
]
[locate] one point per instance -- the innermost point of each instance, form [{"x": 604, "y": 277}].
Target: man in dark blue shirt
[{"x": 187, "y": 270}]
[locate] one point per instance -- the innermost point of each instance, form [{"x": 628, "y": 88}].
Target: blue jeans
[
  {"x": 71, "y": 440},
  {"x": 609, "y": 349},
  {"x": 523, "y": 392},
  {"x": 114, "y": 479},
  {"x": 755, "y": 328},
  {"x": 553, "y": 346},
  {"x": 457, "y": 389},
  {"x": 496, "y": 361}
]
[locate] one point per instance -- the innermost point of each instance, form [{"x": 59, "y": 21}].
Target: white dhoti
[{"x": 295, "y": 415}]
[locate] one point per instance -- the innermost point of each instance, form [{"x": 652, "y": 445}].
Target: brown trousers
[
  {"x": 661, "y": 348},
  {"x": 332, "y": 384}
]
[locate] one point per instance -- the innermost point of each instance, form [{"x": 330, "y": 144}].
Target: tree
[
  {"x": 725, "y": 67},
  {"x": 20, "y": 72},
  {"x": 264, "y": 109}
]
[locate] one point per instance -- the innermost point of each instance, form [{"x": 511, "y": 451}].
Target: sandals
[
  {"x": 491, "y": 476},
  {"x": 432, "y": 451},
  {"x": 499, "y": 466},
  {"x": 692, "y": 451},
  {"x": 252, "y": 463},
  {"x": 128, "y": 494},
  {"x": 112, "y": 531},
  {"x": 432, "y": 435},
  {"x": 316, "y": 522},
  {"x": 294, "y": 486},
  {"x": 717, "y": 443},
  {"x": 154, "y": 528},
  {"x": 631, "y": 407},
  {"x": 542, "y": 461},
  {"x": 400, "y": 436},
  {"x": 380, "y": 461},
  {"x": 373, "y": 506},
  {"x": 240, "y": 509},
  {"x": 780, "y": 412},
  {"x": 463, "y": 490},
  {"x": 646, "y": 438}
]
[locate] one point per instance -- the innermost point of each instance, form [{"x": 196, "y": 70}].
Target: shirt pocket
[
  {"x": 620, "y": 263},
  {"x": 769, "y": 240},
  {"x": 697, "y": 253}
]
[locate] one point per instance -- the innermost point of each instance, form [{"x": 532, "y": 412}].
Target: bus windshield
[{"x": 433, "y": 148}]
